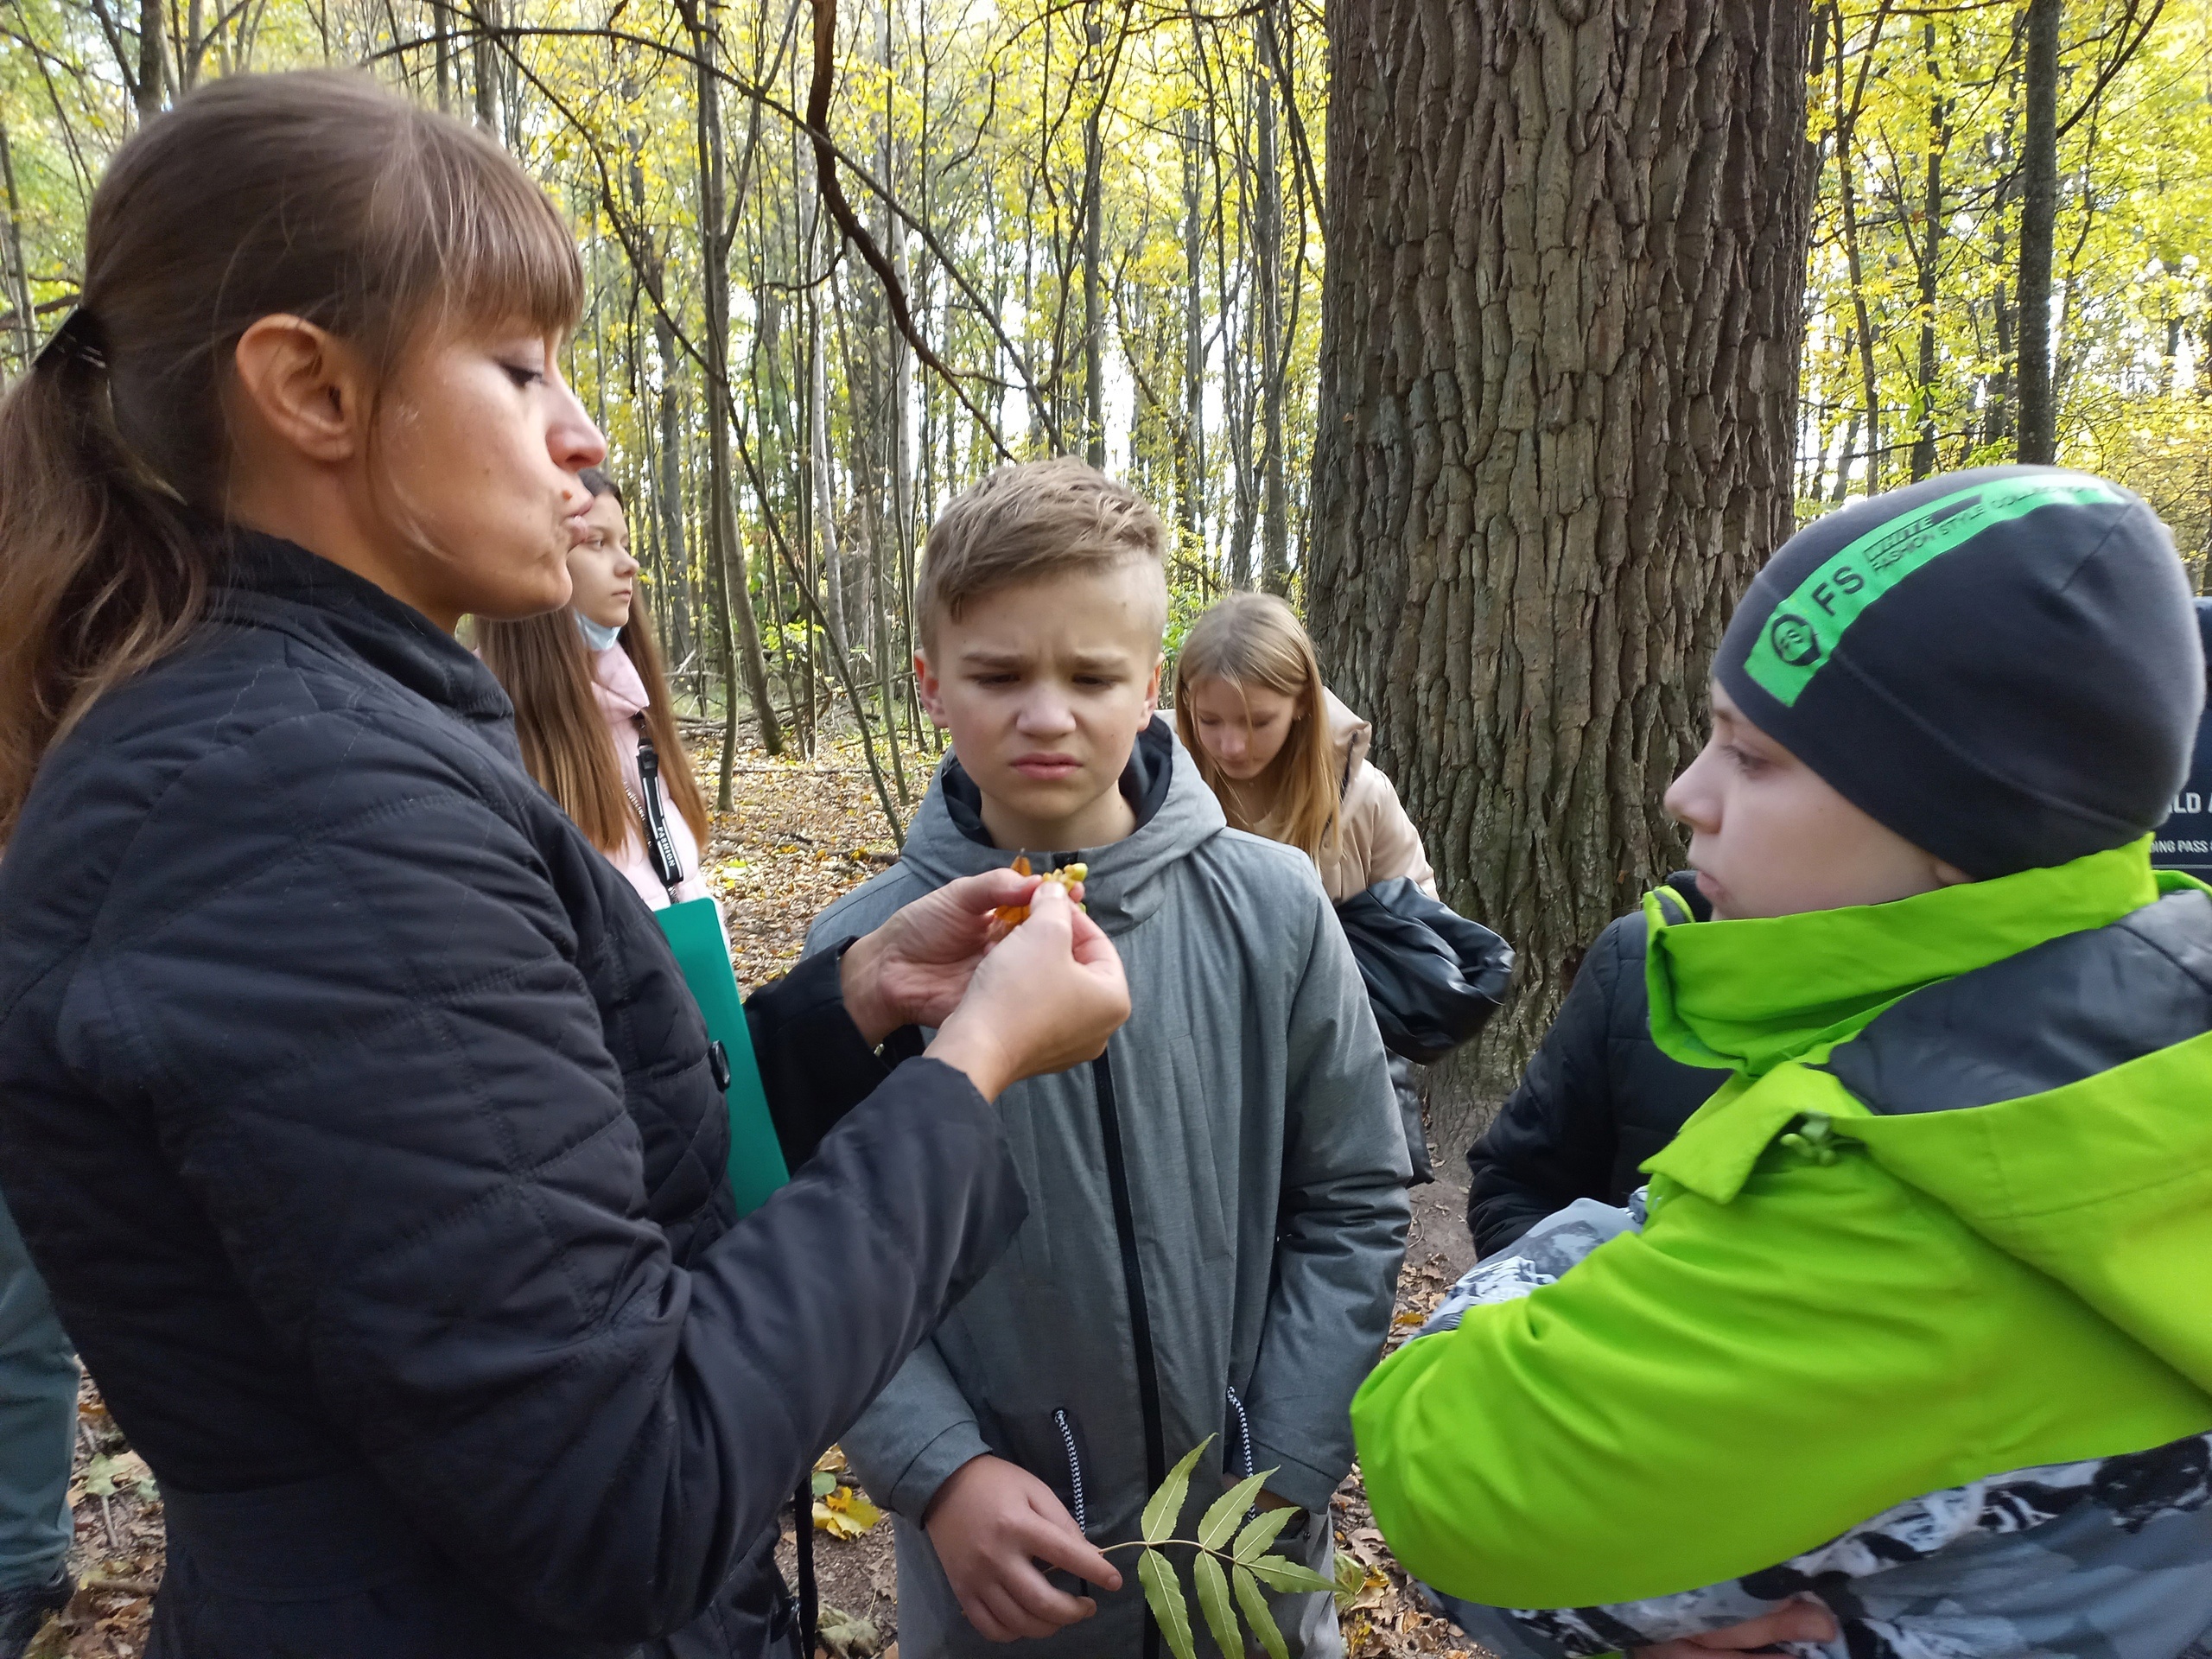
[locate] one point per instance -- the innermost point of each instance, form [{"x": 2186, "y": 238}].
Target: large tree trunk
[{"x": 1558, "y": 382}]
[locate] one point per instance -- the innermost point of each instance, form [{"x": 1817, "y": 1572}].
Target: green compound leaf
[
  {"x": 1352, "y": 1579},
  {"x": 1166, "y": 1507},
  {"x": 1213, "y": 1599},
  {"x": 1259, "y": 1535},
  {"x": 1278, "y": 1573},
  {"x": 1221, "y": 1519},
  {"x": 1169, "y": 1610},
  {"x": 1256, "y": 1614}
]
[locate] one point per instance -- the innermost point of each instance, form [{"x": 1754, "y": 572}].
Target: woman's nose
[{"x": 572, "y": 438}]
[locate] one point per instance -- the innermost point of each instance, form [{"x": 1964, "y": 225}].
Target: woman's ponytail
[{"x": 100, "y": 573}]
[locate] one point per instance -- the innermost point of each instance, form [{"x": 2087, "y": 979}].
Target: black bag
[{"x": 1434, "y": 977}]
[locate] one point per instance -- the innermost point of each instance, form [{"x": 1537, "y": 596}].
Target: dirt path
[{"x": 800, "y": 833}]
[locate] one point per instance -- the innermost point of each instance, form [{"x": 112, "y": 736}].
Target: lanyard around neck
[{"x": 660, "y": 845}]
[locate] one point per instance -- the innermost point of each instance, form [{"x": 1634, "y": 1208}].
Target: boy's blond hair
[{"x": 1034, "y": 519}]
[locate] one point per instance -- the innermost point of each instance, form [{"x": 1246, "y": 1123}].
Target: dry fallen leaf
[{"x": 845, "y": 1513}]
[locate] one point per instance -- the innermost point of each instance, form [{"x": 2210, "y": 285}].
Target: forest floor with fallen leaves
[{"x": 800, "y": 833}]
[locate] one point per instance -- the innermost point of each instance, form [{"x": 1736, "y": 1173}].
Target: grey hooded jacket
[{"x": 1218, "y": 1210}]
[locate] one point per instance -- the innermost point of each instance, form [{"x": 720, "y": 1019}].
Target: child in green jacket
[{"x": 1914, "y": 1322}]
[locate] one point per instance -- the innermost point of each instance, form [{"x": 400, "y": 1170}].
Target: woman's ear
[{"x": 304, "y": 387}]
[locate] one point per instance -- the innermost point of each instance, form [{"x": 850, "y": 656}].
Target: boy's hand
[
  {"x": 914, "y": 968},
  {"x": 992, "y": 1522},
  {"x": 1801, "y": 1621},
  {"x": 1046, "y": 998}
]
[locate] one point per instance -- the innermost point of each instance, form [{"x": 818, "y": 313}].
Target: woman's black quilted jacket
[{"x": 356, "y": 1113}]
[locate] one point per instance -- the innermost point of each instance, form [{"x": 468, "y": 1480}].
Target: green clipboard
[{"x": 756, "y": 1156}]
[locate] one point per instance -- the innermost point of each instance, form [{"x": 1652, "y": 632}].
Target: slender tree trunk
[
  {"x": 1556, "y": 435},
  {"x": 825, "y": 494},
  {"x": 441, "y": 27},
  {"x": 1235, "y": 310},
  {"x": 1267, "y": 278},
  {"x": 1846, "y": 164},
  {"x": 483, "y": 16},
  {"x": 153, "y": 51},
  {"x": 1192, "y": 453},
  {"x": 1094, "y": 289},
  {"x": 1843, "y": 465},
  {"x": 891, "y": 547},
  {"x": 728, "y": 551},
  {"x": 18, "y": 274},
  {"x": 2037, "y": 415},
  {"x": 670, "y": 494},
  {"x": 1931, "y": 255},
  {"x": 193, "y": 47}
]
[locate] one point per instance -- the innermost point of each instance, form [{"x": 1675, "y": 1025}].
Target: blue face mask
[{"x": 598, "y": 638}]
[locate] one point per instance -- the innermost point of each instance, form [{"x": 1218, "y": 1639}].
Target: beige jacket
[{"x": 1380, "y": 841}]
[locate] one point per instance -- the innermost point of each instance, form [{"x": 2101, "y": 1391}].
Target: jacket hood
[
  {"x": 2032, "y": 1052},
  {"x": 1350, "y": 736},
  {"x": 1176, "y": 813},
  {"x": 1750, "y": 993},
  {"x": 615, "y": 683}
]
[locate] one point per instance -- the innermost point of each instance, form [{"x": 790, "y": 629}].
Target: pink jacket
[{"x": 621, "y": 697}]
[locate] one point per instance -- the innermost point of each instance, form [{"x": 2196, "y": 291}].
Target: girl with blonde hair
[
  {"x": 1288, "y": 761},
  {"x": 1286, "y": 758}
]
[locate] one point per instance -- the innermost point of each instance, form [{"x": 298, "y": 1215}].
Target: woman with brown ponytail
[
  {"x": 592, "y": 711},
  {"x": 351, "y": 1105}
]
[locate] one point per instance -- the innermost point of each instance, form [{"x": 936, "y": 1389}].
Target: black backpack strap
[{"x": 810, "y": 1597}]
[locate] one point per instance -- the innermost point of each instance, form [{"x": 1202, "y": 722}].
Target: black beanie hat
[{"x": 2000, "y": 665}]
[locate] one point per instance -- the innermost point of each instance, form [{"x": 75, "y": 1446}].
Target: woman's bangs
[{"x": 499, "y": 252}]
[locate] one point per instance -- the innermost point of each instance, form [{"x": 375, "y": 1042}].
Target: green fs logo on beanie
[{"x": 2002, "y": 665}]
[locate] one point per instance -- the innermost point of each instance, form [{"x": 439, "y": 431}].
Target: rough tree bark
[{"x": 1558, "y": 379}]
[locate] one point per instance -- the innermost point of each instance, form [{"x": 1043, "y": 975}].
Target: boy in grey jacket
[{"x": 1217, "y": 1205}]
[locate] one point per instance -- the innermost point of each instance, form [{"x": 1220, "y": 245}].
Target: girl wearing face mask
[
  {"x": 351, "y": 1107},
  {"x": 1288, "y": 760},
  {"x": 592, "y": 712}
]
